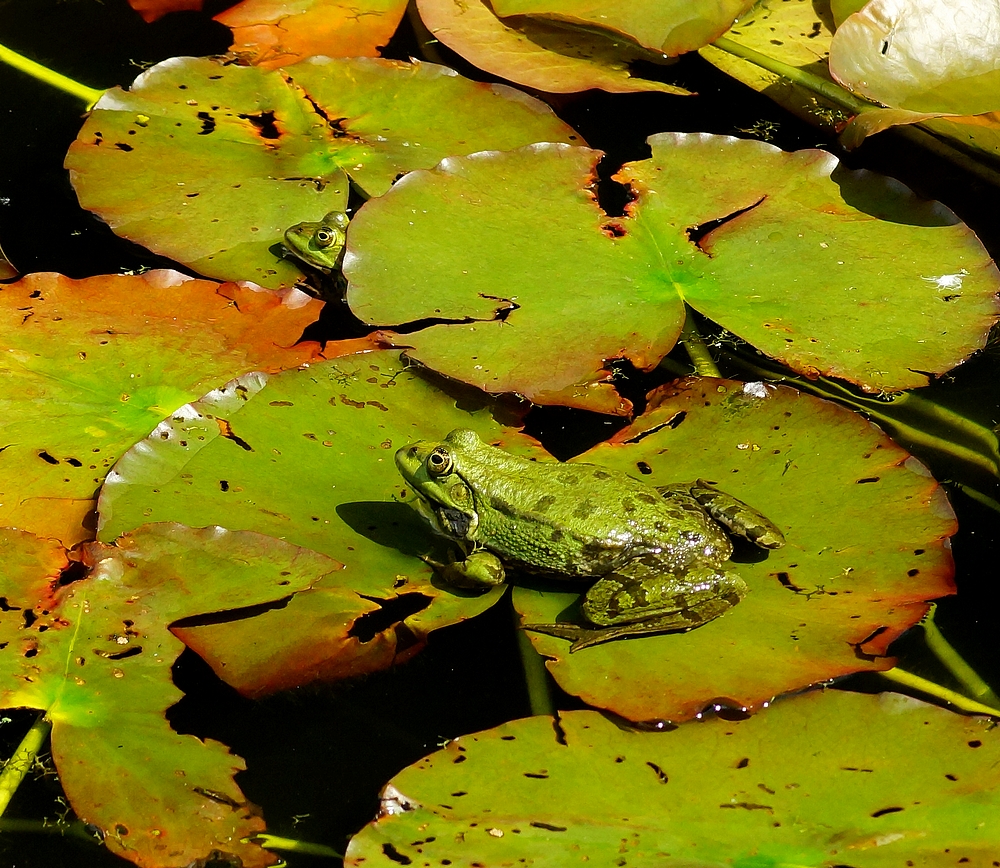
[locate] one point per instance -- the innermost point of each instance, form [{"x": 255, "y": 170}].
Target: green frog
[
  {"x": 321, "y": 244},
  {"x": 659, "y": 554}
]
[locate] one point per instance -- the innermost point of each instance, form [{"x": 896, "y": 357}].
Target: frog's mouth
[{"x": 447, "y": 521}]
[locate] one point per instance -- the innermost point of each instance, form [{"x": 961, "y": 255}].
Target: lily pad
[
  {"x": 307, "y": 456},
  {"x": 272, "y": 33},
  {"x": 538, "y": 286},
  {"x": 672, "y": 27},
  {"x": 209, "y": 163},
  {"x": 95, "y": 656},
  {"x": 922, "y": 55},
  {"x": 537, "y": 55},
  {"x": 90, "y": 366},
  {"x": 823, "y": 779},
  {"x": 866, "y": 531}
]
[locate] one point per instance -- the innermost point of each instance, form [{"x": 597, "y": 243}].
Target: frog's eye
[
  {"x": 439, "y": 461},
  {"x": 325, "y": 237}
]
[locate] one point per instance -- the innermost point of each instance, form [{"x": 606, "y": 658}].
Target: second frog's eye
[{"x": 439, "y": 461}]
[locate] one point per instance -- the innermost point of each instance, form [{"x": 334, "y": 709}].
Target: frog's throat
[{"x": 449, "y": 522}]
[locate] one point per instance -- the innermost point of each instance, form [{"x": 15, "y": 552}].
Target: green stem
[
  {"x": 18, "y": 765},
  {"x": 978, "y": 496},
  {"x": 825, "y": 88},
  {"x": 915, "y": 682},
  {"x": 700, "y": 357},
  {"x": 953, "y": 662},
  {"x": 274, "y": 842},
  {"x": 536, "y": 676},
  {"x": 983, "y": 456},
  {"x": 88, "y": 94}
]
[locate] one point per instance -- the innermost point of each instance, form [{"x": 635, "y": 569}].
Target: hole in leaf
[{"x": 390, "y": 612}]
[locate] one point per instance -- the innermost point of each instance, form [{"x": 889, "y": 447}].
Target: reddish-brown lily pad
[
  {"x": 866, "y": 531},
  {"x": 95, "y": 656},
  {"x": 90, "y": 366}
]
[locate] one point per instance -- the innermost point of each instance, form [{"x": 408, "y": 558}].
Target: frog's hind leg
[
  {"x": 618, "y": 606},
  {"x": 739, "y": 518}
]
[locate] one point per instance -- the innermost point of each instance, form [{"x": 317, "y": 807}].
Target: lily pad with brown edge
[
  {"x": 90, "y": 366},
  {"x": 272, "y": 33},
  {"x": 308, "y": 456},
  {"x": 95, "y": 655},
  {"x": 830, "y": 271},
  {"x": 866, "y": 530},
  {"x": 537, "y": 54},
  {"x": 669, "y": 26},
  {"x": 210, "y": 163},
  {"x": 827, "y": 778}
]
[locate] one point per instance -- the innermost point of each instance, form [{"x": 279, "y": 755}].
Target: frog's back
[{"x": 581, "y": 519}]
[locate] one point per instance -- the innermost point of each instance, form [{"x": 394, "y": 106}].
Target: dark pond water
[{"x": 317, "y": 757}]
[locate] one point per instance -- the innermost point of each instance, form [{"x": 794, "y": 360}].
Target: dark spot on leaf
[
  {"x": 748, "y": 806},
  {"x": 223, "y": 485},
  {"x": 912, "y": 573},
  {"x": 73, "y": 462},
  {"x": 264, "y": 124},
  {"x": 743, "y": 763},
  {"x": 460, "y": 793},
  {"x": 549, "y": 827},
  {"x": 121, "y": 830},
  {"x": 644, "y": 468},
  {"x": 392, "y": 853},
  {"x": 952, "y": 777},
  {"x": 975, "y": 743},
  {"x": 866, "y": 479},
  {"x": 884, "y": 811},
  {"x": 541, "y": 777},
  {"x": 662, "y": 775},
  {"x": 123, "y": 147},
  {"x": 613, "y": 230},
  {"x": 508, "y": 738},
  {"x": 48, "y": 459}
]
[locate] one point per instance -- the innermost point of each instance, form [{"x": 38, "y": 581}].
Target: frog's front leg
[
  {"x": 739, "y": 518},
  {"x": 637, "y": 601},
  {"x": 478, "y": 570}
]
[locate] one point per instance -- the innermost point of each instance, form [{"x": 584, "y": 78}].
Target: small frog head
[
  {"x": 444, "y": 498},
  {"x": 319, "y": 244}
]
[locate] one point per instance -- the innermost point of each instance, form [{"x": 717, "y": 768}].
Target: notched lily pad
[
  {"x": 822, "y": 779},
  {"x": 209, "y": 163},
  {"x": 830, "y": 271},
  {"x": 866, "y": 532},
  {"x": 95, "y": 655},
  {"x": 100, "y": 361},
  {"x": 307, "y": 456}
]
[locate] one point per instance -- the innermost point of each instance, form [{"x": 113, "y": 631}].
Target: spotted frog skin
[
  {"x": 659, "y": 554},
  {"x": 321, "y": 244}
]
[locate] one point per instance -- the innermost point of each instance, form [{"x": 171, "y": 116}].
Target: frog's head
[
  {"x": 444, "y": 498},
  {"x": 319, "y": 244}
]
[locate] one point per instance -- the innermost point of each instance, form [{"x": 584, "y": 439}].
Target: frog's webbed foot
[{"x": 739, "y": 518}]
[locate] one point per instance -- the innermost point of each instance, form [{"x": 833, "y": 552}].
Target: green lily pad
[
  {"x": 95, "y": 656},
  {"x": 307, "y": 456},
  {"x": 922, "y": 55},
  {"x": 535, "y": 54},
  {"x": 822, "y": 779},
  {"x": 270, "y": 34},
  {"x": 672, "y": 27},
  {"x": 866, "y": 531},
  {"x": 538, "y": 286},
  {"x": 209, "y": 163},
  {"x": 90, "y": 366}
]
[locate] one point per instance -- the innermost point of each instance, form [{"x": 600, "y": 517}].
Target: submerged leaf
[
  {"x": 866, "y": 532},
  {"x": 822, "y": 779},
  {"x": 209, "y": 163},
  {"x": 95, "y": 655},
  {"x": 89, "y": 366},
  {"x": 307, "y": 456}
]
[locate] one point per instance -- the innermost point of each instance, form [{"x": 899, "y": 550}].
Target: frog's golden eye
[
  {"x": 439, "y": 461},
  {"x": 325, "y": 237}
]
